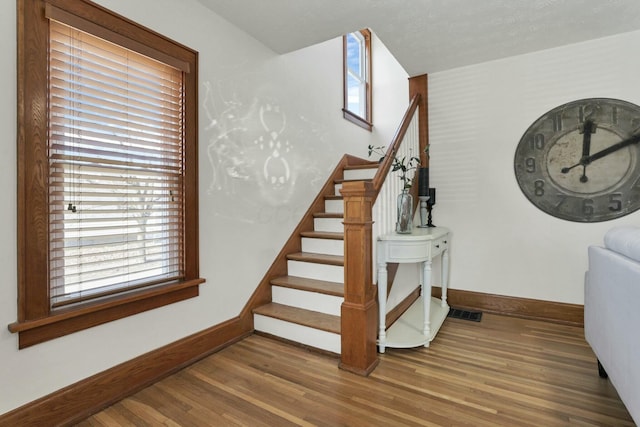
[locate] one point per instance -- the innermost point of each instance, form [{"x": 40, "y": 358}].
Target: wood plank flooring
[{"x": 502, "y": 371}]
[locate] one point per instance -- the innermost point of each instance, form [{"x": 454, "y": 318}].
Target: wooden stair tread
[
  {"x": 368, "y": 165},
  {"x": 300, "y": 316},
  {"x": 340, "y": 181},
  {"x": 328, "y": 215},
  {"x": 311, "y": 285},
  {"x": 333, "y": 197},
  {"x": 331, "y": 235},
  {"x": 317, "y": 258}
]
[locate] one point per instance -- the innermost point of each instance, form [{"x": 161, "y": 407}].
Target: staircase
[
  {"x": 313, "y": 294},
  {"x": 306, "y": 302}
]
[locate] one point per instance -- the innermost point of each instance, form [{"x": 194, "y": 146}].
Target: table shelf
[{"x": 406, "y": 332}]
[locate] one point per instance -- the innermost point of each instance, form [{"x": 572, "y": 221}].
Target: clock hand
[
  {"x": 602, "y": 153},
  {"x": 588, "y": 128}
]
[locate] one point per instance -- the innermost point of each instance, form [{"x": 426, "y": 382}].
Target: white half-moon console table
[{"x": 419, "y": 324}]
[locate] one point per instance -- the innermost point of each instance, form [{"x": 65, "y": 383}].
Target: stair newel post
[{"x": 359, "y": 311}]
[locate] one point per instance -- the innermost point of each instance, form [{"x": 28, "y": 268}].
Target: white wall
[
  {"x": 251, "y": 197},
  {"x": 502, "y": 244}
]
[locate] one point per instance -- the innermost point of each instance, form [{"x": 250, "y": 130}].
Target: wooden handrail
[{"x": 385, "y": 166}]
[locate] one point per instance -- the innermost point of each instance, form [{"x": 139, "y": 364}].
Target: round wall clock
[{"x": 581, "y": 160}]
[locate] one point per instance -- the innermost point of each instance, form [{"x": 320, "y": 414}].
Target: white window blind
[{"x": 115, "y": 168}]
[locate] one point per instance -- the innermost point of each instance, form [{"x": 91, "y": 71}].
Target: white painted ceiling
[{"x": 427, "y": 36}]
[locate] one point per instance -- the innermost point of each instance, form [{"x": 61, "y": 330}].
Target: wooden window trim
[
  {"x": 364, "y": 122},
  {"x": 356, "y": 119},
  {"x": 36, "y": 322}
]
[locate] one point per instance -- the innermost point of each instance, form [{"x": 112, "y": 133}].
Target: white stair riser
[
  {"x": 314, "y": 301},
  {"x": 328, "y": 224},
  {"x": 334, "y": 206},
  {"x": 337, "y": 188},
  {"x": 356, "y": 174},
  {"x": 323, "y": 246},
  {"x": 303, "y": 334},
  {"x": 311, "y": 270}
]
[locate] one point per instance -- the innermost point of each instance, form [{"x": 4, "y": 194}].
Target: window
[
  {"x": 357, "y": 78},
  {"x": 107, "y": 169}
]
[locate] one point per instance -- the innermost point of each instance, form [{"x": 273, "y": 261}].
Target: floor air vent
[{"x": 474, "y": 316}]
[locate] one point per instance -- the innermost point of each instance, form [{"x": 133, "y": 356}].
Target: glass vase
[{"x": 404, "y": 223}]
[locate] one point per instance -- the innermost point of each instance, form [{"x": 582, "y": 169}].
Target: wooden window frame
[
  {"x": 364, "y": 122},
  {"x": 37, "y": 322}
]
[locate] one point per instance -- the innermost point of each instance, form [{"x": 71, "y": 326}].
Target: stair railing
[
  {"x": 387, "y": 183},
  {"x": 407, "y": 131}
]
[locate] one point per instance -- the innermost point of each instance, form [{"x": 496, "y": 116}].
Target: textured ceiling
[{"x": 427, "y": 36}]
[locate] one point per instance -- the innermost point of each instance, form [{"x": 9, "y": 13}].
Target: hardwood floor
[{"x": 502, "y": 371}]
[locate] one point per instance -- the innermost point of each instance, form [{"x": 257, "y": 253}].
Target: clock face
[{"x": 581, "y": 160}]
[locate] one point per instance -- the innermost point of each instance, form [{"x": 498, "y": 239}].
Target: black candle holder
[
  {"x": 431, "y": 200},
  {"x": 429, "y": 218}
]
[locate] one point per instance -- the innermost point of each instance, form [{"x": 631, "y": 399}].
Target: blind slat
[
  {"x": 81, "y": 131},
  {"x": 108, "y": 173},
  {"x": 118, "y": 119},
  {"x": 79, "y": 160},
  {"x": 125, "y": 67},
  {"x": 77, "y": 248},
  {"x": 111, "y": 248},
  {"x": 69, "y": 141},
  {"x": 111, "y": 88},
  {"x": 94, "y": 271},
  {"x": 146, "y": 121}
]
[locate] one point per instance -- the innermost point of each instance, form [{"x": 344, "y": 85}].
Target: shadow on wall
[{"x": 257, "y": 154}]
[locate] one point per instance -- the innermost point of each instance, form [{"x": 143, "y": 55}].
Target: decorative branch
[{"x": 403, "y": 164}]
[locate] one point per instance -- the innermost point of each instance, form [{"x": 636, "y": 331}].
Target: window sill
[
  {"x": 357, "y": 120},
  {"x": 65, "y": 322}
]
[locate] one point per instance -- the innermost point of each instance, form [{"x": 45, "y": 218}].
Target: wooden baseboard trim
[
  {"x": 84, "y": 398},
  {"x": 550, "y": 311}
]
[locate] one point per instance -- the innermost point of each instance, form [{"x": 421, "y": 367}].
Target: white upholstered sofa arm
[
  {"x": 612, "y": 314},
  {"x": 624, "y": 240}
]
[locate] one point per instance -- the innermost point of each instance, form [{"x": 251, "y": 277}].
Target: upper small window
[{"x": 357, "y": 78}]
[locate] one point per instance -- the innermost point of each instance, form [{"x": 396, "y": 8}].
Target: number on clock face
[{"x": 581, "y": 160}]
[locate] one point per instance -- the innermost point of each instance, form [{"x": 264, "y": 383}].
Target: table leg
[
  {"x": 426, "y": 300},
  {"x": 382, "y": 306},
  {"x": 445, "y": 277}
]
